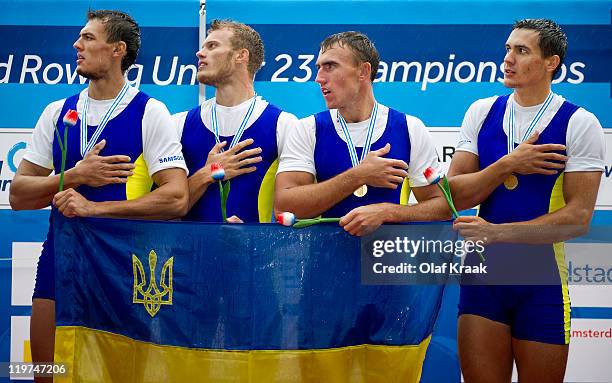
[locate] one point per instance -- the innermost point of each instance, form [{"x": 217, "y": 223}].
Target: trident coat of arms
[{"x": 152, "y": 296}]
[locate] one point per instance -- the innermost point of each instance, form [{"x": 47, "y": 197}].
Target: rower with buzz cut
[
  {"x": 365, "y": 157},
  {"x": 123, "y": 142},
  {"x": 531, "y": 159}
]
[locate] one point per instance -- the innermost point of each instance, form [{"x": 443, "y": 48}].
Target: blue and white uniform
[
  {"x": 534, "y": 312},
  {"x": 140, "y": 127},
  {"x": 319, "y": 147},
  {"x": 251, "y": 195}
]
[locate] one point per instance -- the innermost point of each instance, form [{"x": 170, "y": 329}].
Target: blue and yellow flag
[{"x": 141, "y": 301}]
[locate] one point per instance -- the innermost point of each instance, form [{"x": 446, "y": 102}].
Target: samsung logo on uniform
[{"x": 171, "y": 159}]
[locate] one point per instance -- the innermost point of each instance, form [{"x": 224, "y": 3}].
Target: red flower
[
  {"x": 216, "y": 171},
  {"x": 70, "y": 118},
  {"x": 432, "y": 175}
]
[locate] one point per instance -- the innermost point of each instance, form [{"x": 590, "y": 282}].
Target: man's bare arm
[
  {"x": 580, "y": 194},
  {"x": 296, "y": 191},
  {"x": 431, "y": 207},
  {"x": 168, "y": 201},
  {"x": 470, "y": 185},
  {"x": 33, "y": 188},
  {"x": 572, "y": 220}
]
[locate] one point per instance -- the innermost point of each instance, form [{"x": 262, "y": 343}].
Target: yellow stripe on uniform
[
  {"x": 265, "y": 198},
  {"x": 139, "y": 183},
  {"x": 405, "y": 193},
  {"x": 106, "y": 357},
  {"x": 557, "y": 201}
]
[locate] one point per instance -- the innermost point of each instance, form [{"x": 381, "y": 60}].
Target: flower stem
[
  {"x": 302, "y": 223},
  {"x": 329, "y": 219},
  {"x": 449, "y": 200},
  {"x": 482, "y": 258},
  {"x": 223, "y": 211}
]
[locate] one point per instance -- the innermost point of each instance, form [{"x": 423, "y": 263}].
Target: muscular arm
[
  {"x": 431, "y": 207},
  {"x": 32, "y": 188},
  {"x": 471, "y": 186},
  {"x": 197, "y": 184},
  {"x": 572, "y": 220},
  {"x": 168, "y": 201},
  {"x": 580, "y": 194},
  {"x": 298, "y": 193}
]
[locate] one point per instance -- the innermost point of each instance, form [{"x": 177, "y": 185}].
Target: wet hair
[
  {"x": 552, "y": 39},
  {"x": 363, "y": 49},
  {"x": 119, "y": 26},
  {"x": 243, "y": 37}
]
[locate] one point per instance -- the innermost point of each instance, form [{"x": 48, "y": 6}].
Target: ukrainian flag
[{"x": 141, "y": 301}]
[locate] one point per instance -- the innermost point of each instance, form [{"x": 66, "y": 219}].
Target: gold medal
[
  {"x": 361, "y": 191},
  {"x": 511, "y": 182}
]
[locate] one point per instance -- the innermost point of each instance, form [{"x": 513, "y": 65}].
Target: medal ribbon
[
  {"x": 368, "y": 143},
  {"x": 532, "y": 124},
  {"x": 241, "y": 128},
  {"x": 86, "y": 145}
]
